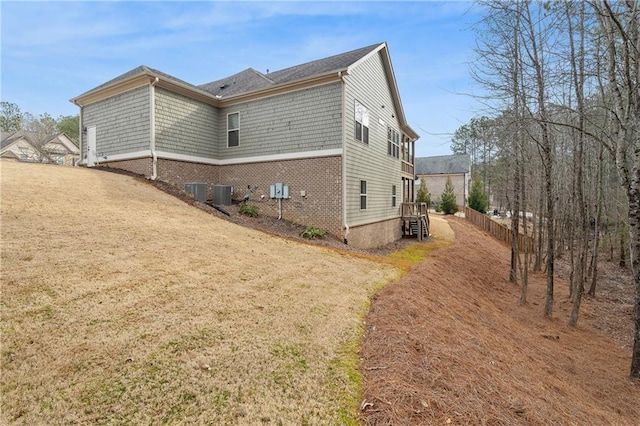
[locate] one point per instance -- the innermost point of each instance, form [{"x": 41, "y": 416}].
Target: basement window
[{"x": 233, "y": 129}]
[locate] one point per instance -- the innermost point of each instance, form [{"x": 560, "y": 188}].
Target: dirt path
[{"x": 449, "y": 344}]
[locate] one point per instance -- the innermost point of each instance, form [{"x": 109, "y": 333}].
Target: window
[
  {"x": 24, "y": 153},
  {"x": 363, "y": 195},
  {"x": 233, "y": 129},
  {"x": 362, "y": 122},
  {"x": 393, "y": 142},
  {"x": 393, "y": 195}
]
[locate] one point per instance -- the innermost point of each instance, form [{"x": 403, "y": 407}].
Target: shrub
[
  {"x": 478, "y": 200},
  {"x": 248, "y": 210},
  {"x": 423, "y": 196},
  {"x": 448, "y": 202},
  {"x": 312, "y": 233}
]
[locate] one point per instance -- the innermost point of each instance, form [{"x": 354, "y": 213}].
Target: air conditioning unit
[
  {"x": 197, "y": 190},
  {"x": 222, "y": 195}
]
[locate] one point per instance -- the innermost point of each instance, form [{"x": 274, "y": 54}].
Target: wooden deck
[{"x": 415, "y": 220}]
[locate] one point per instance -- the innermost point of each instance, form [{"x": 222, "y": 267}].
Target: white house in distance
[
  {"x": 435, "y": 171},
  {"x": 332, "y": 130},
  {"x": 25, "y": 146}
]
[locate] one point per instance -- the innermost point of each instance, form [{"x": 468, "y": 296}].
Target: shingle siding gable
[
  {"x": 185, "y": 126},
  {"x": 122, "y": 122},
  {"x": 301, "y": 121},
  {"x": 368, "y": 84}
]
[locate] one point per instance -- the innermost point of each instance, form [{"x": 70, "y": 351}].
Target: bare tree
[
  {"x": 620, "y": 27},
  {"x": 39, "y": 132}
]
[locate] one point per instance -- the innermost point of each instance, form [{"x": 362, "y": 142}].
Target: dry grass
[
  {"x": 449, "y": 344},
  {"x": 123, "y": 305}
]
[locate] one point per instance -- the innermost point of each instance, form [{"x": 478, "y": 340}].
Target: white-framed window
[
  {"x": 393, "y": 195},
  {"x": 361, "y": 116},
  {"x": 24, "y": 153},
  {"x": 393, "y": 142},
  {"x": 233, "y": 129},
  {"x": 363, "y": 195}
]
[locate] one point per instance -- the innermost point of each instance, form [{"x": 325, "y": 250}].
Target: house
[
  {"x": 435, "y": 171},
  {"x": 332, "y": 131},
  {"x": 29, "y": 147}
]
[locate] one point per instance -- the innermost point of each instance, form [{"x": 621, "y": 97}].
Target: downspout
[
  {"x": 80, "y": 132},
  {"x": 152, "y": 136},
  {"x": 344, "y": 157}
]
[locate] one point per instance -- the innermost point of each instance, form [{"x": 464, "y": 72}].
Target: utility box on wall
[
  {"x": 279, "y": 190},
  {"x": 222, "y": 195},
  {"x": 198, "y": 190}
]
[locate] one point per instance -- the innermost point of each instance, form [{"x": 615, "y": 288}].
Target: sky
[{"x": 54, "y": 51}]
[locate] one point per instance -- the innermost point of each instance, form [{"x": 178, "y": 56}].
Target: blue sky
[{"x": 53, "y": 51}]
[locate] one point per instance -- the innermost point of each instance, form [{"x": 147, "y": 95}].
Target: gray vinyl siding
[
  {"x": 367, "y": 83},
  {"x": 185, "y": 126},
  {"x": 301, "y": 121},
  {"x": 122, "y": 122}
]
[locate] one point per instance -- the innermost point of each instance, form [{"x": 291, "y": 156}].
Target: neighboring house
[
  {"x": 25, "y": 146},
  {"x": 332, "y": 130},
  {"x": 435, "y": 171}
]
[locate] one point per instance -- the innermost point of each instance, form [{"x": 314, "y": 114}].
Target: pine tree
[
  {"x": 478, "y": 200},
  {"x": 448, "y": 202},
  {"x": 423, "y": 196}
]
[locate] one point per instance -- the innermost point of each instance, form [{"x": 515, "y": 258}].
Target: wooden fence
[{"x": 496, "y": 229}]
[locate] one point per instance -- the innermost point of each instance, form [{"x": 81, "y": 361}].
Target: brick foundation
[
  {"x": 315, "y": 188},
  {"x": 178, "y": 173},
  {"x": 140, "y": 166}
]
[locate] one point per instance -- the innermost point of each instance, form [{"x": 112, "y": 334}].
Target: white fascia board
[
  {"x": 182, "y": 157},
  {"x": 280, "y": 157},
  {"x": 256, "y": 159},
  {"x": 366, "y": 57},
  {"x": 122, "y": 157},
  {"x": 203, "y": 160}
]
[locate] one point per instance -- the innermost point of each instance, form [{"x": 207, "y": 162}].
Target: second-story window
[
  {"x": 233, "y": 129},
  {"x": 393, "y": 142},
  {"x": 362, "y": 123}
]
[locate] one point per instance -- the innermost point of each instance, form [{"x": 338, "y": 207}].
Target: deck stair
[{"x": 415, "y": 221}]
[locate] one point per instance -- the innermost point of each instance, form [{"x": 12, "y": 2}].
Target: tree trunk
[
  {"x": 598, "y": 219},
  {"x": 525, "y": 267}
]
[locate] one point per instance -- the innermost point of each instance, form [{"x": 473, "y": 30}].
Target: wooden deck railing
[
  {"x": 496, "y": 229},
  {"x": 407, "y": 167},
  {"x": 414, "y": 209},
  {"x": 417, "y": 214}
]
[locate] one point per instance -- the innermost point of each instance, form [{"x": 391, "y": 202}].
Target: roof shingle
[
  {"x": 442, "y": 164},
  {"x": 250, "y": 79}
]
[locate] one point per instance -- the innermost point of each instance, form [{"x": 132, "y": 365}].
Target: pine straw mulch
[{"x": 449, "y": 344}]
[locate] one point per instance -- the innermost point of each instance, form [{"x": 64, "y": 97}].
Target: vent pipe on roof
[{"x": 152, "y": 132}]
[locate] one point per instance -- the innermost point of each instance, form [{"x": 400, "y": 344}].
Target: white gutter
[
  {"x": 152, "y": 133},
  {"x": 344, "y": 157}
]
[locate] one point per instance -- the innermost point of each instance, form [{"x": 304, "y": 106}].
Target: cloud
[{"x": 54, "y": 51}]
